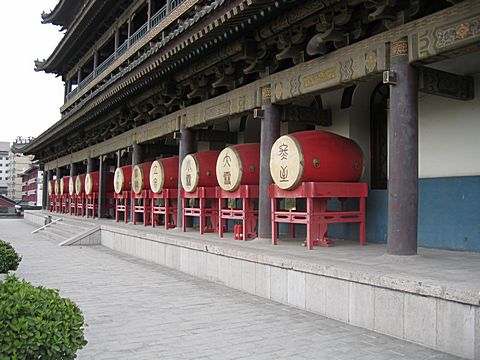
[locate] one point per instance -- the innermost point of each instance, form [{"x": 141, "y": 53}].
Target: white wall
[{"x": 449, "y": 135}]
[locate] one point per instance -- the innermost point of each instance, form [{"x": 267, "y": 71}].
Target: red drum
[
  {"x": 122, "y": 180},
  {"x": 92, "y": 183},
  {"x": 238, "y": 165},
  {"x": 141, "y": 177},
  {"x": 64, "y": 184},
  {"x": 164, "y": 174},
  {"x": 314, "y": 155},
  {"x": 198, "y": 169},
  {"x": 79, "y": 184}
]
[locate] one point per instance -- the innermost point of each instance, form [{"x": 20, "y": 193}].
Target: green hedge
[
  {"x": 36, "y": 323},
  {"x": 9, "y": 259}
]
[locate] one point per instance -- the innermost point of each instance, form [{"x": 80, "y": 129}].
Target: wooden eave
[
  {"x": 143, "y": 71},
  {"x": 63, "y": 14},
  {"x": 83, "y": 26}
]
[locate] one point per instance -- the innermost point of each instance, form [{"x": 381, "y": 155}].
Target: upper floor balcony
[{"x": 115, "y": 50}]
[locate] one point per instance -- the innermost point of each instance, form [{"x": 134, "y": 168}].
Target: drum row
[{"x": 315, "y": 155}]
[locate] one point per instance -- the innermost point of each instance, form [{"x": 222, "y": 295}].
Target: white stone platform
[{"x": 431, "y": 299}]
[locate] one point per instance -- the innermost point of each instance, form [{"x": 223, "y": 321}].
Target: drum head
[
  {"x": 88, "y": 184},
  {"x": 157, "y": 176},
  {"x": 190, "y": 173},
  {"x": 57, "y": 187},
  {"x": 118, "y": 180},
  {"x": 78, "y": 185},
  {"x": 137, "y": 179},
  {"x": 71, "y": 186},
  {"x": 286, "y": 162},
  {"x": 229, "y": 169}
]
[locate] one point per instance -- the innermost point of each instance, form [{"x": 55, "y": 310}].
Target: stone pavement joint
[{"x": 139, "y": 310}]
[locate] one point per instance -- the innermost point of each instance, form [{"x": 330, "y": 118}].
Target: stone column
[
  {"x": 102, "y": 187},
  {"x": 79, "y": 76},
  {"x": 119, "y": 158},
  {"x": 185, "y": 148},
  {"x": 73, "y": 170},
  {"x": 95, "y": 61},
  {"x": 269, "y": 133},
  {"x": 90, "y": 165},
  {"x": 403, "y": 154},
  {"x": 137, "y": 158}
]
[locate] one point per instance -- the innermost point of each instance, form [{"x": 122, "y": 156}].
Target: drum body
[
  {"x": 198, "y": 169},
  {"x": 79, "y": 184},
  {"x": 122, "y": 179},
  {"x": 64, "y": 185},
  {"x": 141, "y": 177},
  {"x": 164, "y": 174},
  {"x": 315, "y": 155},
  {"x": 238, "y": 165},
  {"x": 92, "y": 183}
]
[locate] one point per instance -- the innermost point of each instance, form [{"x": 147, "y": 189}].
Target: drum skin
[
  {"x": 164, "y": 174},
  {"x": 51, "y": 186},
  {"x": 198, "y": 169},
  {"x": 314, "y": 155},
  {"x": 92, "y": 183},
  {"x": 141, "y": 177},
  {"x": 122, "y": 179},
  {"x": 79, "y": 184},
  {"x": 64, "y": 183},
  {"x": 238, "y": 165},
  {"x": 56, "y": 186},
  {"x": 71, "y": 185}
]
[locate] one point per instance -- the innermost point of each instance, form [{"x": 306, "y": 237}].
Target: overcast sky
[{"x": 30, "y": 101}]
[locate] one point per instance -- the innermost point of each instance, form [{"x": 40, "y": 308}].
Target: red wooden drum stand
[
  {"x": 121, "y": 205},
  {"x": 247, "y": 214},
  {"x": 81, "y": 205},
  {"x": 64, "y": 203},
  {"x": 51, "y": 199},
  {"x": 168, "y": 209},
  {"x": 72, "y": 209},
  {"x": 203, "y": 212},
  {"x": 92, "y": 204},
  {"x": 141, "y": 205},
  {"x": 317, "y": 217},
  {"x": 58, "y": 204}
]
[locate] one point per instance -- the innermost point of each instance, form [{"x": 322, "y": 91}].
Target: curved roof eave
[{"x": 62, "y": 15}]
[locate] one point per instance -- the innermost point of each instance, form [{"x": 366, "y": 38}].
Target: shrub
[
  {"x": 9, "y": 259},
  {"x": 37, "y": 323}
]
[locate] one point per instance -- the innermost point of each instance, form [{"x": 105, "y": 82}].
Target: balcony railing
[
  {"x": 122, "y": 48},
  {"x": 137, "y": 35},
  {"x": 175, "y": 3},
  {"x": 104, "y": 65},
  {"x": 86, "y": 81},
  {"x": 159, "y": 15}
]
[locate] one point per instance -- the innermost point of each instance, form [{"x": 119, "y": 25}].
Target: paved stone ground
[{"x": 137, "y": 310}]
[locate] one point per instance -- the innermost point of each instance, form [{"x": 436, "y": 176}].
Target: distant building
[
  {"x": 17, "y": 164},
  {"x": 4, "y": 161},
  {"x": 32, "y": 185}
]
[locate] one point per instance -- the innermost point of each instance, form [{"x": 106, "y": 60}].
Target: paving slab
[{"x": 139, "y": 310}]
